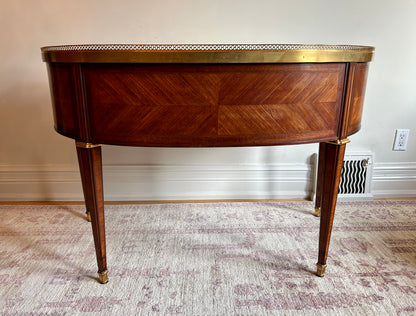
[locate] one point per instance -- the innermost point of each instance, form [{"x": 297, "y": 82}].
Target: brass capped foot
[
  {"x": 317, "y": 211},
  {"x": 321, "y": 269},
  {"x": 88, "y": 216},
  {"x": 103, "y": 276}
]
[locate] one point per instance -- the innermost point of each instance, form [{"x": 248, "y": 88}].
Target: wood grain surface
[{"x": 212, "y": 105}]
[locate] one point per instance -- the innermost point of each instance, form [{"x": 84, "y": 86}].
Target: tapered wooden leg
[
  {"x": 320, "y": 180},
  {"x": 84, "y": 189},
  {"x": 333, "y": 159},
  {"x": 89, "y": 159}
]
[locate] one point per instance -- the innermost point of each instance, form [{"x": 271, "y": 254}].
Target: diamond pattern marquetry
[
  {"x": 280, "y": 87},
  {"x": 142, "y": 87},
  {"x": 277, "y": 119},
  {"x": 227, "y": 104}
]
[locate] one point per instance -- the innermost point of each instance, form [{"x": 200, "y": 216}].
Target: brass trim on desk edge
[{"x": 305, "y": 55}]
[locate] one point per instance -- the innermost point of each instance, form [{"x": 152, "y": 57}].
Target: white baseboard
[
  {"x": 159, "y": 182},
  {"x": 190, "y": 182},
  {"x": 394, "y": 180},
  {"x": 34, "y": 182}
]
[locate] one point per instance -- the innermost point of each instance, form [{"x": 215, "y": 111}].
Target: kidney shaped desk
[{"x": 208, "y": 96}]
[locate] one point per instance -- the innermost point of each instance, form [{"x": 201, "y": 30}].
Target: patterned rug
[{"x": 242, "y": 258}]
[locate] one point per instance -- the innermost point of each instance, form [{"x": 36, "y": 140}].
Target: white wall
[{"x": 38, "y": 164}]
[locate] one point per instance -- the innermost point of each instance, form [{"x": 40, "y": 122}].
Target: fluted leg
[
  {"x": 89, "y": 159},
  {"x": 333, "y": 153}
]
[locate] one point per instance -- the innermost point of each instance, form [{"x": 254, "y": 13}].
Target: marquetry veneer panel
[
  {"x": 360, "y": 71},
  {"x": 229, "y": 104}
]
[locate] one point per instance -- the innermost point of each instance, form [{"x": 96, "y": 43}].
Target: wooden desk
[{"x": 206, "y": 96}]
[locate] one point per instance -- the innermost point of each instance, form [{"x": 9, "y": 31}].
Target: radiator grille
[
  {"x": 353, "y": 177},
  {"x": 356, "y": 176}
]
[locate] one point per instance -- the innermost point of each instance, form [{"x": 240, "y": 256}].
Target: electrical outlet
[{"x": 400, "y": 141}]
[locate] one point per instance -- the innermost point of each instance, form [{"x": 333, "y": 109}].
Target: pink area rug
[{"x": 251, "y": 258}]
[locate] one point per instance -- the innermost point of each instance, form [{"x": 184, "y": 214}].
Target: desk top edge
[{"x": 206, "y": 53}]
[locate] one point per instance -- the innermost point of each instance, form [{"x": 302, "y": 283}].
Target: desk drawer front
[{"x": 213, "y": 105}]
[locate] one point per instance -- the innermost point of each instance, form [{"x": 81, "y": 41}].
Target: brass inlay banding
[
  {"x": 103, "y": 276},
  {"x": 232, "y": 53},
  {"x": 321, "y": 269},
  {"x": 86, "y": 145}
]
